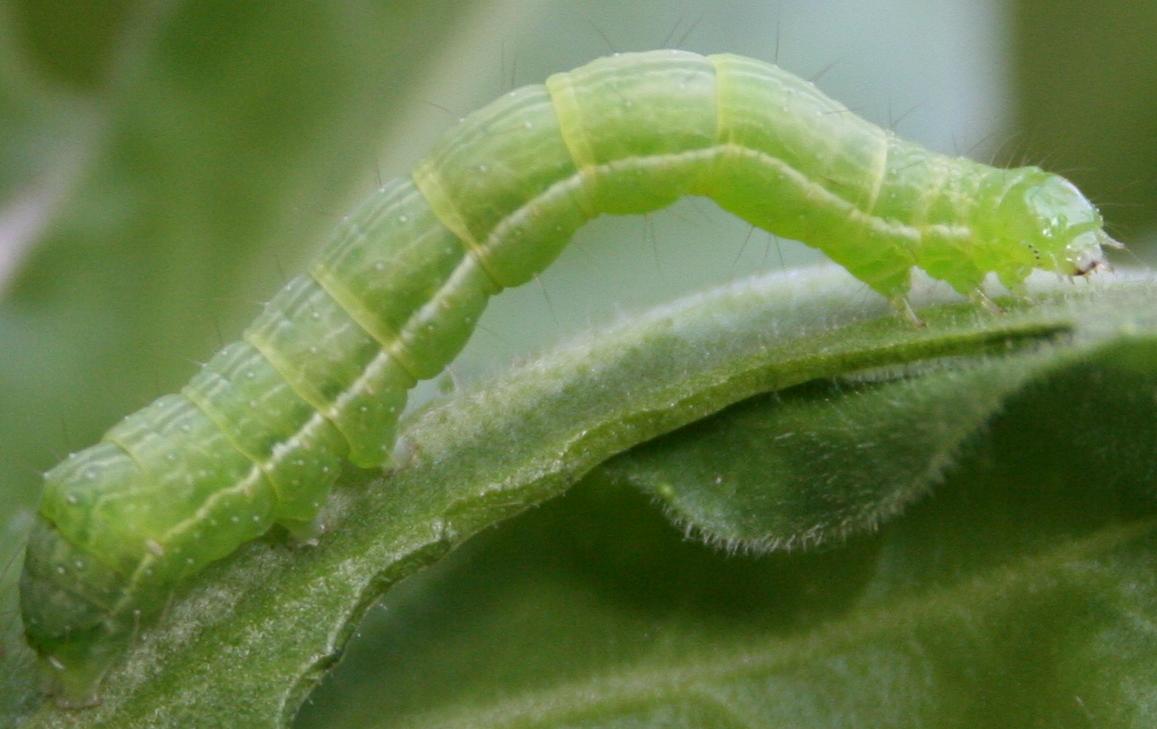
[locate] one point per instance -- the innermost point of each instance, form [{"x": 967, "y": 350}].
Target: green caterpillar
[{"x": 259, "y": 434}]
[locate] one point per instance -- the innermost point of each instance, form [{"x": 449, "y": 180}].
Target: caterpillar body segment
[{"x": 259, "y": 434}]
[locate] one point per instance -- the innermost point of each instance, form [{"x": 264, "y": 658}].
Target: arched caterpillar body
[{"x": 258, "y": 435}]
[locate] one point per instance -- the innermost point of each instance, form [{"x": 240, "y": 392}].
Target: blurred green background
[{"x": 165, "y": 165}]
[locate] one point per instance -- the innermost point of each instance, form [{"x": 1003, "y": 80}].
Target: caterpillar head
[{"x": 1060, "y": 226}]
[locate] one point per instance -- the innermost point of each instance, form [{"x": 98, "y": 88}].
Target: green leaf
[
  {"x": 1020, "y": 593},
  {"x": 828, "y": 459},
  {"x": 562, "y": 621},
  {"x": 244, "y": 643}
]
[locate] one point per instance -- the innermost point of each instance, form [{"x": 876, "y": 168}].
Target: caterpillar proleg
[{"x": 257, "y": 437}]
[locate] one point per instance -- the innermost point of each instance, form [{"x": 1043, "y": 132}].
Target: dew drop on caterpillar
[{"x": 257, "y": 437}]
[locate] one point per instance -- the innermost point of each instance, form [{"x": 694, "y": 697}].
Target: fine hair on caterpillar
[{"x": 258, "y": 436}]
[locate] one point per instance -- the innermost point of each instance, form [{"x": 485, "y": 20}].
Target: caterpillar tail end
[
  {"x": 73, "y": 677},
  {"x": 64, "y": 618}
]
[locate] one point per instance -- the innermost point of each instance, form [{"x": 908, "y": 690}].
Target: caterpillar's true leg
[
  {"x": 984, "y": 300},
  {"x": 904, "y": 308}
]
